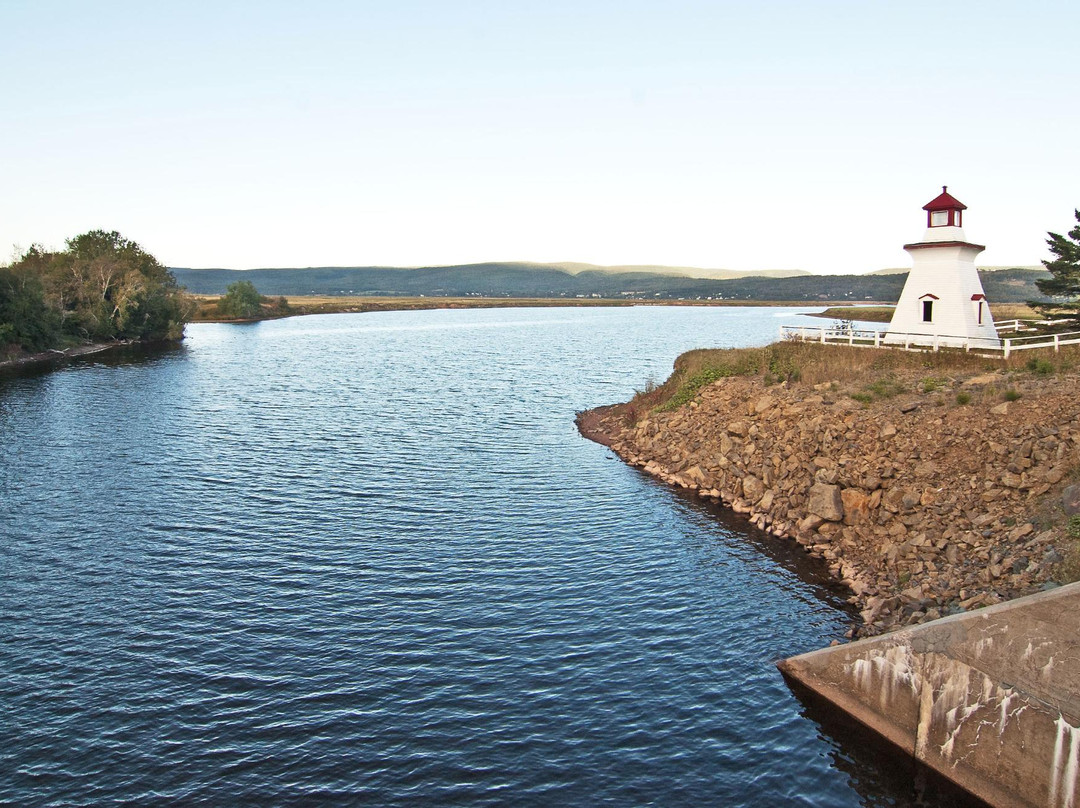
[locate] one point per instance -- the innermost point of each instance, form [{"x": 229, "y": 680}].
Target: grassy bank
[{"x": 859, "y": 373}]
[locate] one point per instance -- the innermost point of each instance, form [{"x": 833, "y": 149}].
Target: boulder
[
  {"x": 1070, "y": 500},
  {"x": 825, "y": 501},
  {"x": 752, "y": 488},
  {"x": 856, "y": 506}
]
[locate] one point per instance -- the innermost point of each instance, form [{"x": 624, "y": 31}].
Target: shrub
[
  {"x": 884, "y": 388},
  {"x": 241, "y": 301},
  {"x": 1010, "y": 395},
  {"x": 1043, "y": 367},
  {"x": 963, "y": 397},
  {"x": 688, "y": 389}
]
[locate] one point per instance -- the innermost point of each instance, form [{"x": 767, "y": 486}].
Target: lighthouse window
[
  {"x": 939, "y": 218},
  {"x": 928, "y": 311}
]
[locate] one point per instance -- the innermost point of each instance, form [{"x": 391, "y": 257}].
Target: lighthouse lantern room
[{"x": 943, "y": 301}]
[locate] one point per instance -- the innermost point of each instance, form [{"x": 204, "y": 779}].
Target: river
[{"x": 367, "y": 559}]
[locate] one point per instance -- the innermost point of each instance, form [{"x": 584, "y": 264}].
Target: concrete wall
[{"x": 990, "y": 699}]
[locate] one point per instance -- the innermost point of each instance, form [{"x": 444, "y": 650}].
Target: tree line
[
  {"x": 102, "y": 287},
  {"x": 521, "y": 280},
  {"x": 105, "y": 287}
]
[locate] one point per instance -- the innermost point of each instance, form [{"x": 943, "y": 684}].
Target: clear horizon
[{"x": 693, "y": 134}]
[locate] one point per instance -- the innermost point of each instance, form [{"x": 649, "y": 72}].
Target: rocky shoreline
[{"x": 922, "y": 505}]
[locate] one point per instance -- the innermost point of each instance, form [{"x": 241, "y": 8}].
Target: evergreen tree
[{"x": 1065, "y": 268}]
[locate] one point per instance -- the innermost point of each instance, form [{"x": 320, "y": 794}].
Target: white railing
[
  {"x": 1030, "y": 325},
  {"x": 838, "y": 336},
  {"x": 1054, "y": 341},
  {"x": 921, "y": 342},
  {"x": 1014, "y": 325}
]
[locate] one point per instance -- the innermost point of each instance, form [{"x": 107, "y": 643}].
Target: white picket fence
[{"x": 863, "y": 338}]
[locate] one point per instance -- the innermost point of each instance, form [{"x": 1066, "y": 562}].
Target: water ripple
[{"x": 366, "y": 559}]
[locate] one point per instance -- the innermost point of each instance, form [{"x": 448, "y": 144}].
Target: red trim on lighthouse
[
  {"x": 978, "y": 297},
  {"x": 945, "y": 202},
  {"x": 929, "y": 295},
  {"x": 924, "y": 245}
]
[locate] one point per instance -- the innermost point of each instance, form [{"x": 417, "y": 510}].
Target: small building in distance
[{"x": 943, "y": 301}]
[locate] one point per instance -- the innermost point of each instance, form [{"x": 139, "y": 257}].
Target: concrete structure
[
  {"x": 943, "y": 301},
  {"x": 990, "y": 698}
]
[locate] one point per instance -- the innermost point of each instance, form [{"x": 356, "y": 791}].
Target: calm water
[{"x": 367, "y": 560}]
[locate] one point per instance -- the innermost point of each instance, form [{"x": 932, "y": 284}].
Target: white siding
[{"x": 948, "y": 273}]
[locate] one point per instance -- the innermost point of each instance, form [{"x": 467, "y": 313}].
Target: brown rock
[
  {"x": 825, "y": 501},
  {"x": 764, "y": 403},
  {"x": 752, "y": 488},
  {"x": 766, "y": 501},
  {"x": 856, "y": 506},
  {"x": 1010, "y": 480},
  {"x": 893, "y": 499}
]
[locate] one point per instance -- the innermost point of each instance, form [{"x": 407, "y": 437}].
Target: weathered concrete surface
[{"x": 990, "y": 699}]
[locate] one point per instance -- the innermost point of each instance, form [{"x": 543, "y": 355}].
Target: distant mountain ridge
[
  {"x": 688, "y": 272},
  {"x": 520, "y": 279}
]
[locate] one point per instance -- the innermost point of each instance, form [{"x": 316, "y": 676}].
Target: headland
[{"x": 931, "y": 484}]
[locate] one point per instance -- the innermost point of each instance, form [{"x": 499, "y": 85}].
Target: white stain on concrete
[{"x": 1065, "y": 766}]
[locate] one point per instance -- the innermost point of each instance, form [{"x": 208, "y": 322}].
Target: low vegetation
[{"x": 863, "y": 374}]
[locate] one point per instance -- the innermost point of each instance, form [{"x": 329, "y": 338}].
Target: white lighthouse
[{"x": 943, "y": 301}]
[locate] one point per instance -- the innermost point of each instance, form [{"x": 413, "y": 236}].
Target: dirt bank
[
  {"x": 56, "y": 355},
  {"x": 940, "y": 495}
]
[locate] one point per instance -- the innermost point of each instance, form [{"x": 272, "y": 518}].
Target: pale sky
[{"x": 742, "y": 135}]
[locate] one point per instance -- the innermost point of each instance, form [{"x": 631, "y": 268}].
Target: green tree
[
  {"x": 241, "y": 301},
  {"x": 103, "y": 286},
  {"x": 1065, "y": 268},
  {"x": 26, "y": 321},
  {"x": 116, "y": 289}
]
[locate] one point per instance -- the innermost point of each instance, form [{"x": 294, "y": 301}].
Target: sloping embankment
[{"x": 922, "y": 505}]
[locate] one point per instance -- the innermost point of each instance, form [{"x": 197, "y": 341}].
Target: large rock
[
  {"x": 752, "y": 488},
  {"x": 1070, "y": 500},
  {"x": 856, "y": 506},
  {"x": 825, "y": 501}
]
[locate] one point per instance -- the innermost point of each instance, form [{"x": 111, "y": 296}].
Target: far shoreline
[
  {"x": 304, "y": 305},
  {"x": 301, "y": 305}
]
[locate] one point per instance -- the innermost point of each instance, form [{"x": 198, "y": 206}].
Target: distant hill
[
  {"x": 688, "y": 272},
  {"x": 518, "y": 279}
]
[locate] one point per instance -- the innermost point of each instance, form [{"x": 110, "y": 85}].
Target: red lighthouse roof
[{"x": 944, "y": 201}]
